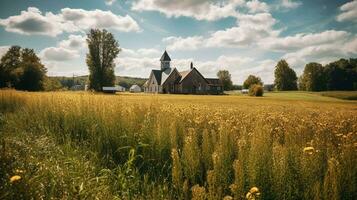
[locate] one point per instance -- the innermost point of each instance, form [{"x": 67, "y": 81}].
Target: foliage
[
  {"x": 226, "y": 79},
  {"x": 82, "y": 146},
  {"x": 22, "y": 69},
  {"x": 313, "y": 78},
  {"x": 251, "y": 80},
  {"x": 341, "y": 75},
  {"x": 256, "y": 90},
  {"x": 285, "y": 77},
  {"x": 10, "y": 67},
  {"x": 103, "y": 49}
]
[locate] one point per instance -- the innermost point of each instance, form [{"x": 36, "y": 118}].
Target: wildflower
[
  {"x": 228, "y": 198},
  {"x": 15, "y": 178},
  {"x": 309, "y": 150},
  {"x": 19, "y": 171},
  {"x": 253, "y": 194}
]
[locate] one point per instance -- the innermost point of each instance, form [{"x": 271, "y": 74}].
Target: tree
[
  {"x": 256, "y": 90},
  {"x": 33, "y": 72},
  {"x": 251, "y": 80},
  {"x": 22, "y": 69},
  {"x": 225, "y": 77},
  {"x": 341, "y": 75},
  {"x": 285, "y": 77},
  {"x": 103, "y": 49},
  {"x": 313, "y": 78},
  {"x": 9, "y": 67}
]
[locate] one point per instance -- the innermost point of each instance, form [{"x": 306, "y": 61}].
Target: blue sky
[{"x": 245, "y": 37}]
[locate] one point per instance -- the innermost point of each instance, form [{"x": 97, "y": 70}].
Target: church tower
[{"x": 165, "y": 61}]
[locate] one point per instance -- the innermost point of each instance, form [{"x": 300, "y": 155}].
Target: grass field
[{"x": 68, "y": 145}]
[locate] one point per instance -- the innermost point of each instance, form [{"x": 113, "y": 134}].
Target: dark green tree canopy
[
  {"x": 341, "y": 75},
  {"x": 226, "y": 79},
  {"x": 10, "y": 67},
  {"x": 22, "y": 69},
  {"x": 285, "y": 77},
  {"x": 103, "y": 49},
  {"x": 251, "y": 80},
  {"x": 313, "y": 78}
]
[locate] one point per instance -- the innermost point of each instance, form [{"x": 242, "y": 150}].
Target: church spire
[{"x": 165, "y": 61}]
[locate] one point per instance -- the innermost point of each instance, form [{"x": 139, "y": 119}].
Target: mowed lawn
[{"x": 81, "y": 145}]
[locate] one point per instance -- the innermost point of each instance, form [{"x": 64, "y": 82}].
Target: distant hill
[{"x": 125, "y": 81}]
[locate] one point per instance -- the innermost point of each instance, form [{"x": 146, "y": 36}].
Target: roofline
[
  {"x": 170, "y": 75},
  {"x": 194, "y": 68}
]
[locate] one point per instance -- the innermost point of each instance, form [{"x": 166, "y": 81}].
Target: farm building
[
  {"x": 170, "y": 80},
  {"x": 117, "y": 88},
  {"x": 135, "y": 88}
]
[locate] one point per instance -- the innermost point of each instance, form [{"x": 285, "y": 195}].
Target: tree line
[{"x": 337, "y": 75}]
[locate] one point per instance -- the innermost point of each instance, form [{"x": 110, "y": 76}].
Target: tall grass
[{"x": 177, "y": 147}]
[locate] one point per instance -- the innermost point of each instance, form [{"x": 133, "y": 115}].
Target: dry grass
[{"x": 177, "y": 146}]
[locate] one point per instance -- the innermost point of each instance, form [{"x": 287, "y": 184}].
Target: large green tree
[
  {"x": 22, "y": 69},
  {"x": 10, "y": 67},
  {"x": 33, "y": 72},
  {"x": 225, "y": 77},
  {"x": 285, "y": 77},
  {"x": 341, "y": 75},
  {"x": 252, "y": 80},
  {"x": 313, "y": 78},
  {"x": 103, "y": 49}
]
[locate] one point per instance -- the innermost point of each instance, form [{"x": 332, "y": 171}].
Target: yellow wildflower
[
  {"x": 309, "y": 150},
  {"x": 15, "y": 178}
]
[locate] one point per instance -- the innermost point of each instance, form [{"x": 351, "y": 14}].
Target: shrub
[{"x": 256, "y": 90}]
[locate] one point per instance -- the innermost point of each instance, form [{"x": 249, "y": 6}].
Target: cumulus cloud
[
  {"x": 179, "y": 43},
  {"x": 33, "y": 22},
  {"x": 58, "y": 54},
  {"x": 256, "y": 6},
  {"x": 109, "y": 2},
  {"x": 198, "y": 9},
  {"x": 303, "y": 40},
  {"x": 73, "y": 42},
  {"x": 250, "y": 30},
  {"x": 348, "y": 12}
]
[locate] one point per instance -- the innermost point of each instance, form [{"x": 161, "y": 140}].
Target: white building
[{"x": 135, "y": 88}]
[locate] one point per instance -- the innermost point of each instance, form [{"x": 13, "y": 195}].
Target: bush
[{"x": 256, "y": 90}]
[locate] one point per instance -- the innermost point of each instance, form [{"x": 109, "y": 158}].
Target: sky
[{"x": 242, "y": 36}]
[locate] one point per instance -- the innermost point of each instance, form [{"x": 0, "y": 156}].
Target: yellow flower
[
  {"x": 254, "y": 190},
  {"x": 15, "y": 178},
  {"x": 19, "y": 171},
  {"x": 309, "y": 150}
]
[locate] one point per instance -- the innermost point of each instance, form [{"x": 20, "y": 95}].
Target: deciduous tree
[
  {"x": 285, "y": 77},
  {"x": 226, "y": 79},
  {"x": 103, "y": 49},
  {"x": 251, "y": 80},
  {"x": 313, "y": 78}
]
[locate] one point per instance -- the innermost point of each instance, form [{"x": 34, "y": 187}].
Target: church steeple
[{"x": 165, "y": 61}]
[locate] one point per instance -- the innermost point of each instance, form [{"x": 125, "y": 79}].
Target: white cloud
[
  {"x": 58, "y": 54},
  {"x": 3, "y": 50},
  {"x": 109, "y": 2},
  {"x": 256, "y": 6},
  {"x": 84, "y": 20},
  {"x": 198, "y": 9},
  {"x": 73, "y": 42},
  {"x": 33, "y": 22},
  {"x": 290, "y": 4},
  {"x": 303, "y": 40},
  {"x": 349, "y": 12},
  {"x": 179, "y": 43}
]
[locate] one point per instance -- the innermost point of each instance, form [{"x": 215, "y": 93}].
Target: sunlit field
[{"x": 68, "y": 145}]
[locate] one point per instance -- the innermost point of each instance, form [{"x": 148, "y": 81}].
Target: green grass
[{"x": 346, "y": 95}]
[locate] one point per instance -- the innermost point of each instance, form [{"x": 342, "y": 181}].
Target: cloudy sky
[{"x": 243, "y": 36}]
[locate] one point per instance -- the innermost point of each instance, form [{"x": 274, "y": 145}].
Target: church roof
[
  {"x": 165, "y": 57},
  {"x": 157, "y": 74}
]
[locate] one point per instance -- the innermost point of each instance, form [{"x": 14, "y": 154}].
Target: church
[{"x": 169, "y": 80}]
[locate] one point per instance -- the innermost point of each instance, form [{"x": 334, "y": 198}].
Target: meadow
[{"x": 74, "y": 145}]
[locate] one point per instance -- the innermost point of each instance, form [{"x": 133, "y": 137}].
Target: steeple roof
[{"x": 165, "y": 57}]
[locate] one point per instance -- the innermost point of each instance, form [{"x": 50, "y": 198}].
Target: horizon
[{"x": 244, "y": 37}]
